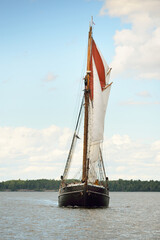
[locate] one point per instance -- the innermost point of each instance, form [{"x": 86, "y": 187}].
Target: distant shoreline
[
  {"x": 31, "y": 191},
  {"x": 38, "y": 185},
  {"x": 46, "y": 185},
  {"x": 27, "y": 190}
]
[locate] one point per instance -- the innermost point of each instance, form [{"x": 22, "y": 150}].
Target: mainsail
[{"x": 99, "y": 94}]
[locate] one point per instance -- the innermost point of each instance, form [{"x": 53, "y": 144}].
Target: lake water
[{"x": 36, "y": 216}]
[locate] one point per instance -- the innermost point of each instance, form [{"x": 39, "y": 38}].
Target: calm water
[{"x": 36, "y": 216}]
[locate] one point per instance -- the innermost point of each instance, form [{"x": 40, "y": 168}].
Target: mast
[{"x": 86, "y": 94}]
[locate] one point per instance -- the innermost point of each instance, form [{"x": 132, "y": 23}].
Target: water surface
[{"x": 36, "y": 216}]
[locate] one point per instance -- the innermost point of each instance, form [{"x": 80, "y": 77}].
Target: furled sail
[{"x": 99, "y": 94}]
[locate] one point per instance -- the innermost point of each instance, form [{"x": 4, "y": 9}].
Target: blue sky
[
  {"x": 43, "y": 46},
  {"x": 39, "y": 38}
]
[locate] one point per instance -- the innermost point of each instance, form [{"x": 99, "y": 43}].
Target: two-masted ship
[{"x": 92, "y": 190}]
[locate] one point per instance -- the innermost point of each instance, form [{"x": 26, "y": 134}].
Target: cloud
[
  {"x": 26, "y": 148},
  {"x": 144, "y": 94},
  {"x": 52, "y": 89},
  {"x": 131, "y": 159},
  {"x": 137, "y": 49},
  {"x": 156, "y": 145},
  {"x": 28, "y": 153},
  {"x": 50, "y": 77},
  {"x": 132, "y": 102}
]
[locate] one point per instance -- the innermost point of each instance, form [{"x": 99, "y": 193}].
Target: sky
[{"x": 43, "y": 50}]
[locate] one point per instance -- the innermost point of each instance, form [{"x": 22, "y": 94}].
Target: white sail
[
  {"x": 98, "y": 108},
  {"x": 106, "y": 94},
  {"x": 97, "y": 111}
]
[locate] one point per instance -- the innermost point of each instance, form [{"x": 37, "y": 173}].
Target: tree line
[
  {"x": 114, "y": 185},
  {"x": 134, "y": 186}
]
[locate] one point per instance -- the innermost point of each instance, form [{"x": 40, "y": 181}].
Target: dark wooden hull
[{"x": 83, "y": 196}]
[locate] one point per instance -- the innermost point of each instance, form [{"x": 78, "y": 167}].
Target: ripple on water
[{"x": 37, "y": 216}]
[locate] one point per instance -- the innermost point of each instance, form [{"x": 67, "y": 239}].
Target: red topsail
[{"x": 100, "y": 67}]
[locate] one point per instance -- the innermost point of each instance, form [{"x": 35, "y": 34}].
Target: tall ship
[{"x": 92, "y": 189}]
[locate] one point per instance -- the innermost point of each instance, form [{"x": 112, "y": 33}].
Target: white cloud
[
  {"x": 158, "y": 158},
  {"x": 131, "y": 159},
  {"x": 120, "y": 169},
  {"x": 25, "y": 148},
  {"x": 50, "y": 77},
  {"x": 156, "y": 145},
  {"x": 137, "y": 49},
  {"x": 143, "y": 94},
  {"x": 132, "y": 102},
  {"x": 30, "y": 153},
  {"x": 121, "y": 141}
]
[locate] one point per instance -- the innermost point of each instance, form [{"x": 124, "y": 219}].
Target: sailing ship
[{"x": 92, "y": 190}]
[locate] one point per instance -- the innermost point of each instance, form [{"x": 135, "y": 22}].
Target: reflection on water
[{"x": 36, "y": 215}]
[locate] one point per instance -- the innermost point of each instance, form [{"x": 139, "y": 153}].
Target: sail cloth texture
[{"x": 99, "y": 94}]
